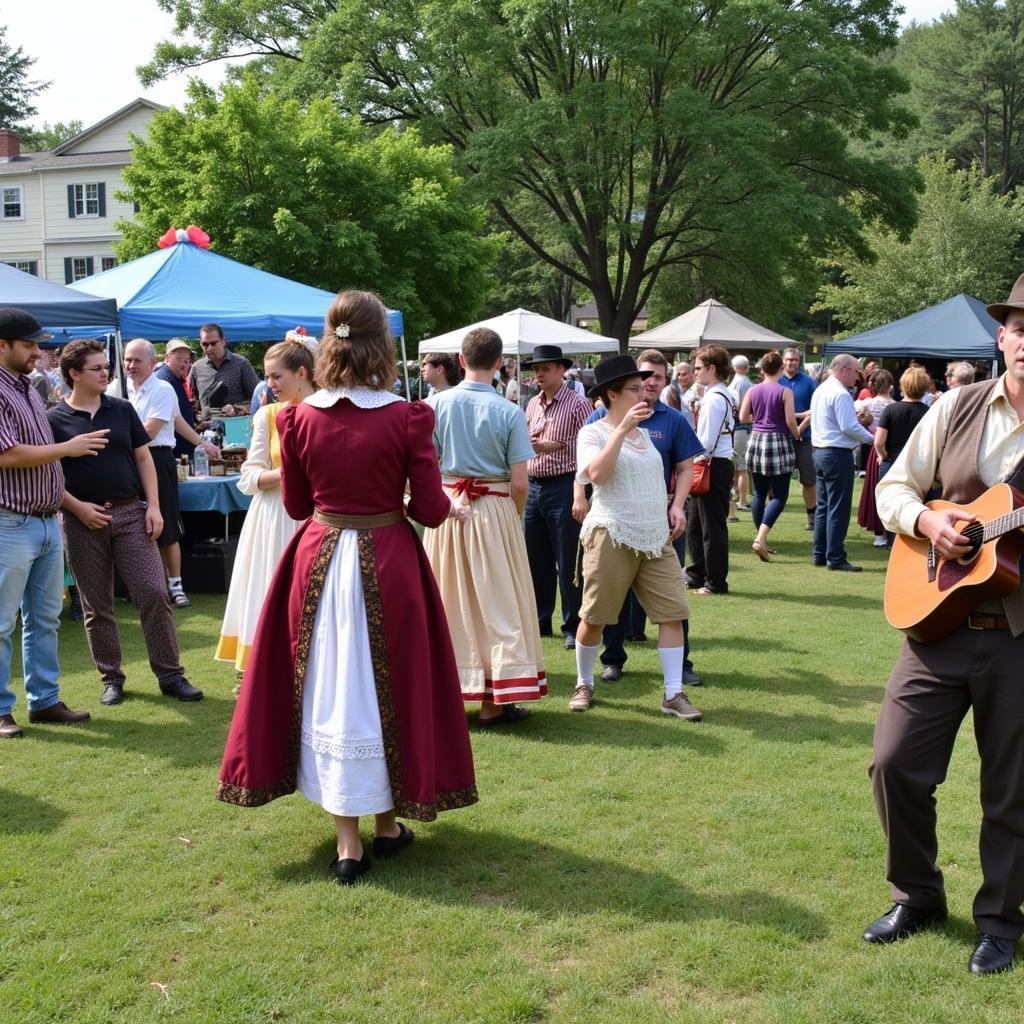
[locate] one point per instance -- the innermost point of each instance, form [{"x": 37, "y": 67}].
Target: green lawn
[{"x": 621, "y": 866}]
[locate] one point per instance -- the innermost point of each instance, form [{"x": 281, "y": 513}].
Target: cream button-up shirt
[{"x": 899, "y": 497}]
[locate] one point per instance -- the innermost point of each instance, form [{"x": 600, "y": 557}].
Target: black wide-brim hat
[
  {"x": 1001, "y": 310},
  {"x": 546, "y": 354},
  {"x": 614, "y": 368}
]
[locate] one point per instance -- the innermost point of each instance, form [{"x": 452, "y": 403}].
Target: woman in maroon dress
[{"x": 338, "y": 700}]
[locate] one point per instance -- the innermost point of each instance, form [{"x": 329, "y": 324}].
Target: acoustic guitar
[{"x": 927, "y": 596}]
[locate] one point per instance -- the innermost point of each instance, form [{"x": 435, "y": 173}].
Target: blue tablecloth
[{"x": 212, "y": 494}]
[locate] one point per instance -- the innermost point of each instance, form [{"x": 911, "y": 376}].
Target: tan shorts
[{"x": 609, "y": 571}]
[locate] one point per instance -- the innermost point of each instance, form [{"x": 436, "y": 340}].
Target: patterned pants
[{"x": 124, "y": 545}]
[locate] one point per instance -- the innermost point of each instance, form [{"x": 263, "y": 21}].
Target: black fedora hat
[
  {"x": 547, "y": 354},
  {"x": 17, "y": 325},
  {"x": 1001, "y": 310},
  {"x": 614, "y": 368}
]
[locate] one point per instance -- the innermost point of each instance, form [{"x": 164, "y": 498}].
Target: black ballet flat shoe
[
  {"x": 349, "y": 870},
  {"x": 390, "y": 846}
]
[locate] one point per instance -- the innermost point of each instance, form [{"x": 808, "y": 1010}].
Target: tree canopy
[
  {"x": 614, "y": 138},
  {"x": 965, "y": 241},
  {"x": 17, "y": 90},
  {"x": 311, "y": 194}
]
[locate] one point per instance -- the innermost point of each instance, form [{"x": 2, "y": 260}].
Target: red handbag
[{"x": 701, "y": 476}]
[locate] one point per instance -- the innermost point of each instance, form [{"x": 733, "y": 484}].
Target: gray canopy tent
[
  {"x": 62, "y": 310},
  {"x": 711, "y": 322}
]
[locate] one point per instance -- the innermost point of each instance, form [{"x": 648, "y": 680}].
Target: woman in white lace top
[{"x": 627, "y": 534}]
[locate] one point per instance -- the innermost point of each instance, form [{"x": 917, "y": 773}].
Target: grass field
[{"x": 621, "y": 866}]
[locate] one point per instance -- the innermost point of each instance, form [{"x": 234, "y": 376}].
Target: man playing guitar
[{"x": 971, "y": 439}]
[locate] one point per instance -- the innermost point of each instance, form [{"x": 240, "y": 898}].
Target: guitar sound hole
[{"x": 975, "y": 534}]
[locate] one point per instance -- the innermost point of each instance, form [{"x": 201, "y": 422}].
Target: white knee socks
[
  {"x": 671, "y": 659},
  {"x": 586, "y": 659}
]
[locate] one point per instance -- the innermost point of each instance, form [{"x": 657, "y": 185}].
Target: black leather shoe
[
  {"x": 611, "y": 673},
  {"x": 113, "y": 693},
  {"x": 181, "y": 688},
  {"x": 901, "y": 921},
  {"x": 992, "y": 955},
  {"x": 690, "y": 678},
  {"x": 388, "y": 846},
  {"x": 845, "y": 567},
  {"x": 570, "y": 642},
  {"x": 349, "y": 870}
]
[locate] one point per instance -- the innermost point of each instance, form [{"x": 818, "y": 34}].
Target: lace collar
[{"x": 365, "y": 398}]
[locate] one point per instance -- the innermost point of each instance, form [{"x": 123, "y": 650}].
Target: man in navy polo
[
  {"x": 677, "y": 444},
  {"x": 802, "y": 387}
]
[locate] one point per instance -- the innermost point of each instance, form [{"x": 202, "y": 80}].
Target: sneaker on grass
[
  {"x": 681, "y": 708},
  {"x": 582, "y": 698}
]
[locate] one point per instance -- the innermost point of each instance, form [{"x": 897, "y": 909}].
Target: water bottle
[{"x": 201, "y": 462}]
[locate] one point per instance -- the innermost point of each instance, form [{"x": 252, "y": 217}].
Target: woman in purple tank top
[{"x": 770, "y": 455}]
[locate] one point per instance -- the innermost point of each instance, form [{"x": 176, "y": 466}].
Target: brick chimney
[{"x": 10, "y": 144}]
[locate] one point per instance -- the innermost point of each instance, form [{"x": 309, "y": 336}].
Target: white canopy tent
[
  {"x": 522, "y": 331},
  {"x": 710, "y": 323}
]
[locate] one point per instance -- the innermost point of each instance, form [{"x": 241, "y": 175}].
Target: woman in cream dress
[{"x": 267, "y": 528}]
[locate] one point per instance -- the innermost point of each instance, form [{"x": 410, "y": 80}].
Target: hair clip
[{"x": 342, "y": 330}]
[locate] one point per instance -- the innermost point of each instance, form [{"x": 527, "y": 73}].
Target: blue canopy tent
[
  {"x": 172, "y": 291},
  {"x": 958, "y": 328},
  {"x": 62, "y": 310}
]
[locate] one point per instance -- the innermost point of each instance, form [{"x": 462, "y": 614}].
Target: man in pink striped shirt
[
  {"x": 554, "y": 418},
  {"x": 31, "y": 552}
]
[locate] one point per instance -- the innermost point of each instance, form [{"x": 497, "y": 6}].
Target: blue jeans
[
  {"x": 833, "y": 468},
  {"x": 32, "y": 579},
  {"x": 633, "y": 620},
  {"x": 552, "y": 537}
]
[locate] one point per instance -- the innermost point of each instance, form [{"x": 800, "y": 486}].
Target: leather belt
[
  {"x": 35, "y": 515},
  {"x": 358, "y": 522},
  {"x": 979, "y": 621},
  {"x": 118, "y": 502}
]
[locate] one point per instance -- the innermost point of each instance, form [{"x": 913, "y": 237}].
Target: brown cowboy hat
[{"x": 1001, "y": 310}]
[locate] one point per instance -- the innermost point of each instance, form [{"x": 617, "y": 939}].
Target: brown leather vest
[{"x": 958, "y": 469}]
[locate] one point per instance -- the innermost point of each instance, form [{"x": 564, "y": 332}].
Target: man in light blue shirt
[
  {"x": 481, "y": 565},
  {"x": 835, "y": 434}
]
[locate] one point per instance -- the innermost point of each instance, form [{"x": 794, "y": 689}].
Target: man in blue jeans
[
  {"x": 836, "y": 434},
  {"x": 31, "y": 553}
]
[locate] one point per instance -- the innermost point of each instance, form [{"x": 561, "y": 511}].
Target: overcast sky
[{"x": 90, "y": 53}]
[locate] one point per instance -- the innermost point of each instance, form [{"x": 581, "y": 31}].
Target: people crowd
[{"x": 360, "y": 644}]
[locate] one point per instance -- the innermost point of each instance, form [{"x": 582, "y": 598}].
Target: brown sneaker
[
  {"x": 582, "y": 698},
  {"x": 59, "y": 713},
  {"x": 681, "y": 708},
  {"x": 9, "y": 728}
]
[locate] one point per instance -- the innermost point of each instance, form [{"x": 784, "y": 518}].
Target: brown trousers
[
  {"x": 928, "y": 694},
  {"x": 93, "y": 555}
]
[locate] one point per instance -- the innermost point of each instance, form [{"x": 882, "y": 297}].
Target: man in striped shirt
[
  {"x": 554, "y": 417},
  {"x": 31, "y": 553}
]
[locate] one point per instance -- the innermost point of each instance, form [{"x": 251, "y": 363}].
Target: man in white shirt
[
  {"x": 157, "y": 405},
  {"x": 836, "y": 433},
  {"x": 739, "y": 386}
]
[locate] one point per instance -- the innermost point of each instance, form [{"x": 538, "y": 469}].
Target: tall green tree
[
  {"x": 640, "y": 134},
  {"x": 50, "y": 136},
  {"x": 17, "y": 89},
  {"x": 965, "y": 241},
  {"x": 314, "y": 196},
  {"x": 966, "y": 72}
]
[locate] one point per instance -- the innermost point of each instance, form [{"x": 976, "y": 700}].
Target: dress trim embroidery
[
  {"x": 360, "y": 751},
  {"x": 365, "y": 398}
]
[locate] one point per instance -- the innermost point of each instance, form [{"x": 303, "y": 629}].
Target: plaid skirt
[{"x": 770, "y": 454}]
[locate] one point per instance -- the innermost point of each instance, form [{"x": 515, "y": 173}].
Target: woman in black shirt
[{"x": 898, "y": 419}]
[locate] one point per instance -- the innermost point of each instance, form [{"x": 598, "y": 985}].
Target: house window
[
  {"x": 108, "y": 262},
  {"x": 11, "y": 208},
  {"x": 87, "y": 200},
  {"x": 26, "y": 266},
  {"x": 79, "y": 268}
]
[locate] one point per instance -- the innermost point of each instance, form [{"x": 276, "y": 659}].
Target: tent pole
[{"x": 405, "y": 369}]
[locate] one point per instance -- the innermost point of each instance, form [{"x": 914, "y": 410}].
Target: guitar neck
[{"x": 1004, "y": 524}]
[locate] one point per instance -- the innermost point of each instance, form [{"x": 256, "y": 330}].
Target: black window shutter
[
  {"x": 101, "y": 190},
  {"x": 69, "y": 271},
  {"x": 33, "y": 268},
  {"x": 88, "y": 266},
  {"x": 71, "y": 202}
]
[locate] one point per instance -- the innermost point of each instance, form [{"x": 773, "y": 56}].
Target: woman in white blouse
[
  {"x": 707, "y": 532},
  {"x": 627, "y": 534}
]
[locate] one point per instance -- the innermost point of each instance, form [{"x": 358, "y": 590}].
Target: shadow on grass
[
  {"x": 19, "y": 813},
  {"x": 195, "y": 740},
  {"x": 453, "y": 866},
  {"x": 796, "y": 727},
  {"x": 832, "y": 599},
  {"x": 798, "y": 683}
]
